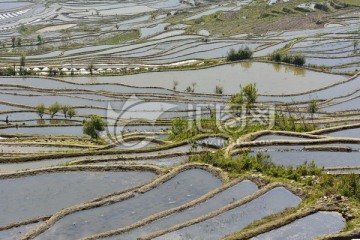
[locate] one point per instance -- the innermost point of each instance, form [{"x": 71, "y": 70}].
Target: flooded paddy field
[
  {"x": 177, "y": 191},
  {"x": 213, "y": 228},
  {"x": 36, "y": 190},
  {"x": 324, "y": 222},
  {"x": 169, "y": 119}
]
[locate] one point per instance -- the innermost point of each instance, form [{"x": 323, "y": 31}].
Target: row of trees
[
  {"x": 55, "y": 108},
  {"x": 92, "y": 127},
  {"x": 17, "y": 42},
  {"x": 296, "y": 59},
  {"x": 11, "y": 71},
  {"x": 241, "y": 54}
]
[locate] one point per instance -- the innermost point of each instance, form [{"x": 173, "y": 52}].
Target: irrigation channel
[{"x": 175, "y": 158}]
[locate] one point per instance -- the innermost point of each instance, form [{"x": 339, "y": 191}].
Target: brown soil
[
  {"x": 289, "y": 23},
  {"x": 300, "y": 22}
]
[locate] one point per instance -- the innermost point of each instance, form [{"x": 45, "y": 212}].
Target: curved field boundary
[
  {"x": 330, "y": 104},
  {"x": 341, "y": 236},
  {"x": 45, "y": 218},
  {"x": 229, "y": 207},
  {"x": 328, "y": 148},
  {"x": 143, "y": 168},
  {"x": 249, "y": 138},
  {"x": 59, "y": 215},
  {"x": 136, "y": 158},
  {"x": 280, "y": 222},
  {"x": 115, "y": 96},
  {"x": 329, "y": 140},
  {"x": 329, "y": 101},
  {"x": 97, "y": 152},
  {"x": 170, "y": 93},
  {"x": 15, "y": 104},
  {"x": 115, "y": 168},
  {"x": 206, "y": 67},
  {"x": 254, "y": 136},
  {"x": 341, "y": 168},
  {"x": 147, "y": 138},
  {"x": 335, "y": 129},
  {"x": 173, "y": 210},
  {"x": 333, "y": 120},
  {"x": 35, "y": 144}
]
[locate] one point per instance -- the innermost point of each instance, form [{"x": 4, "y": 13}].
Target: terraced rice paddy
[
  {"x": 324, "y": 222},
  {"x": 130, "y": 120},
  {"x": 59, "y": 191}
]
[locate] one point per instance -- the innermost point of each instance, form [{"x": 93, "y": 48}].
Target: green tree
[
  {"x": 19, "y": 42},
  {"x": 175, "y": 84},
  {"x": 298, "y": 60},
  {"x": 40, "y": 39},
  {"x": 193, "y": 87},
  {"x": 13, "y": 41},
  {"x": 219, "y": 90},
  {"x": 54, "y": 109},
  {"x": 40, "y": 110},
  {"x": 231, "y": 55},
  {"x": 22, "y": 64},
  {"x": 180, "y": 129},
  {"x": 237, "y": 100},
  {"x": 250, "y": 94},
  {"x": 91, "y": 68},
  {"x": 241, "y": 54},
  {"x": 71, "y": 112},
  {"x": 94, "y": 127},
  {"x": 276, "y": 56},
  {"x": 65, "y": 110},
  {"x": 355, "y": 44},
  {"x": 313, "y": 107}
]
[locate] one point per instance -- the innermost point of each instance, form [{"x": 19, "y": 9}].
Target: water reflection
[
  {"x": 288, "y": 80},
  {"x": 299, "y": 72},
  {"x": 246, "y": 65},
  {"x": 55, "y": 121},
  {"x": 40, "y": 122},
  {"x": 277, "y": 67}
]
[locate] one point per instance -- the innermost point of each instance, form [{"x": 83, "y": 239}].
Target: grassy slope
[{"x": 258, "y": 17}]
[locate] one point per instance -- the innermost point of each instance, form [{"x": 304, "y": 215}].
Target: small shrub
[
  {"x": 298, "y": 60},
  {"x": 219, "y": 90},
  {"x": 241, "y": 54},
  {"x": 94, "y": 127},
  {"x": 248, "y": 96},
  {"x": 322, "y": 7},
  {"x": 276, "y": 57},
  {"x": 181, "y": 129},
  {"x": 7, "y": 72}
]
